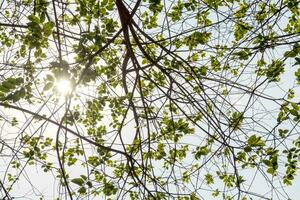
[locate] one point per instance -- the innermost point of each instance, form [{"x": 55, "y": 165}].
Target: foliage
[{"x": 169, "y": 99}]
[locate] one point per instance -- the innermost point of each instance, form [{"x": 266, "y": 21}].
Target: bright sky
[{"x": 261, "y": 119}]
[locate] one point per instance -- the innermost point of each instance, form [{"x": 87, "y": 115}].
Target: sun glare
[{"x": 64, "y": 87}]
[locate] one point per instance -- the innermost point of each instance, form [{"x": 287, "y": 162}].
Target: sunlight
[{"x": 63, "y": 87}]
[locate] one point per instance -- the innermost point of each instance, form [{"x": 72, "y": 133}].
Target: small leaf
[
  {"x": 89, "y": 183},
  {"x": 290, "y": 54},
  {"x": 48, "y": 86},
  {"x": 77, "y": 181},
  {"x": 271, "y": 171},
  {"x": 252, "y": 139},
  {"x": 14, "y": 121},
  {"x": 294, "y": 112},
  {"x": 82, "y": 190},
  {"x": 50, "y": 78},
  {"x": 48, "y": 28},
  {"x": 203, "y": 70},
  {"x": 267, "y": 162}
]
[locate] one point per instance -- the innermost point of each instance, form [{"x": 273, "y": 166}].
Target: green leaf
[
  {"x": 240, "y": 30},
  {"x": 294, "y": 112},
  {"x": 50, "y": 78},
  {"x": 201, "y": 151},
  {"x": 255, "y": 141},
  {"x": 109, "y": 189},
  {"x": 290, "y": 54},
  {"x": 216, "y": 193},
  {"x": 78, "y": 181},
  {"x": 14, "y": 121},
  {"x": 203, "y": 71},
  {"x": 197, "y": 38},
  {"x": 297, "y": 61},
  {"x": 82, "y": 190},
  {"x": 271, "y": 171},
  {"x": 297, "y": 75},
  {"x": 283, "y": 133},
  {"x": 267, "y": 162},
  {"x": 48, "y": 86},
  {"x": 194, "y": 197},
  {"x": 274, "y": 70},
  {"x": 209, "y": 179},
  {"x": 89, "y": 183},
  {"x": 4, "y": 89},
  {"x": 243, "y": 55},
  {"x": 252, "y": 139},
  {"x": 236, "y": 120},
  {"x": 48, "y": 28},
  {"x": 34, "y": 18}
]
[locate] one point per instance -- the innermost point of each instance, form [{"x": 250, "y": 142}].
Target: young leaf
[
  {"x": 78, "y": 181},
  {"x": 48, "y": 86}
]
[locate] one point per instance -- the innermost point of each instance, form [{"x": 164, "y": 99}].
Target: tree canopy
[{"x": 152, "y": 99}]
